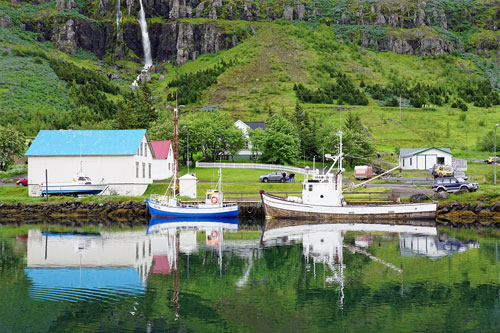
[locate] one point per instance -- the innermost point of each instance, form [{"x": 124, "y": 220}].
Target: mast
[
  {"x": 176, "y": 146},
  {"x": 340, "y": 151}
]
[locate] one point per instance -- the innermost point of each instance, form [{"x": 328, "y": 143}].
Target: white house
[
  {"x": 123, "y": 159},
  {"x": 423, "y": 158},
  {"x": 163, "y": 162},
  {"x": 245, "y": 126}
]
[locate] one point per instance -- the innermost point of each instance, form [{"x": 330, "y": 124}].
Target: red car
[{"x": 22, "y": 181}]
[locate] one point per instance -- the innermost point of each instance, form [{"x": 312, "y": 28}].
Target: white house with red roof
[{"x": 163, "y": 162}]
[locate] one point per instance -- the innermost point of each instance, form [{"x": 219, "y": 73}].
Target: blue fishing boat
[
  {"x": 214, "y": 206},
  {"x": 158, "y": 225}
]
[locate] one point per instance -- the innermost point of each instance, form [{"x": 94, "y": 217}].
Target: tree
[
  {"x": 353, "y": 123},
  {"x": 257, "y": 140},
  {"x": 487, "y": 142},
  {"x": 137, "y": 110},
  {"x": 12, "y": 143},
  {"x": 234, "y": 140},
  {"x": 281, "y": 143},
  {"x": 207, "y": 133},
  {"x": 357, "y": 148},
  {"x": 163, "y": 127}
]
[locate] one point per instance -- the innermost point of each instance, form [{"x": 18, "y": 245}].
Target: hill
[{"x": 71, "y": 63}]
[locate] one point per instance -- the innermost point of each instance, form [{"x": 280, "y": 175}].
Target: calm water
[{"x": 187, "y": 277}]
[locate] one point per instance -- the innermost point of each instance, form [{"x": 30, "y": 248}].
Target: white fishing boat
[
  {"x": 322, "y": 199},
  {"x": 81, "y": 184},
  {"x": 170, "y": 206}
]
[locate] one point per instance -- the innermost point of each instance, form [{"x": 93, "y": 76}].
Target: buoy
[
  {"x": 214, "y": 234},
  {"x": 214, "y": 199}
]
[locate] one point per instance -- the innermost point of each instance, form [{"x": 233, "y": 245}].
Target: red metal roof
[{"x": 161, "y": 148}]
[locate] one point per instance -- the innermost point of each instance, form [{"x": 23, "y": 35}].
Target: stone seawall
[
  {"x": 482, "y": 212},
  {"x": 136, "y": 213},
  {"x": 119, "y": 212}
]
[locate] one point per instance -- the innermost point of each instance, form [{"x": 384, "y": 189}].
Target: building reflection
[
  {"x": 117, "y": 261},
  {"x": 432, "y": 247}
]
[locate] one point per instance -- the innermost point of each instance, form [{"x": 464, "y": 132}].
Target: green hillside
[{"x": 328, "y": 63}]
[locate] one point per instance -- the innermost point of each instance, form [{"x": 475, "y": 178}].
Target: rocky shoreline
[
  {"x": 130, "y": 212},
  {"x": 481, "y": 212},
  {"x": 136, "y": 213}
]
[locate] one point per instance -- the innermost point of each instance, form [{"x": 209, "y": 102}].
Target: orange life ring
[
  {"x": 214, "y": 234},
  {"x": 214, "y": 199}
]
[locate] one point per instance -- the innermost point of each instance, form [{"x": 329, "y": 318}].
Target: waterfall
[
  {"x": 118, "y": 19},
  {"x": 145, "y": 38}
]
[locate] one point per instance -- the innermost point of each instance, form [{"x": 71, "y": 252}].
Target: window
[
  {"x": 136, "y": 169},
  {"x": 410, "y": 160},
  {"x": 310, "y": 187},
  {"x": 403, "y": 162},
  {"x": 146, "y": 149},
  {"x": 143, "y": 170},
  {"x": 141, "y": 148},
  {"x": 168, "y": 166},
  {"x": 149, "y": 165}
]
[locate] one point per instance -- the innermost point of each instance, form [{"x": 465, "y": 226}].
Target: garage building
[{"x": 423, "y": 158}]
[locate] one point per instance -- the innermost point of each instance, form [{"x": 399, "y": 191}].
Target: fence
[
  {"x": 350, "y": 196},
  {"x": 274, "y": 167}
]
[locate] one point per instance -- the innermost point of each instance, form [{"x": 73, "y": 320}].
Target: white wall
[
  {"x": 425, "y": 160},
  {"x": 131, "y": 249},
  {"x": 163, "y": 168},
  {"x": 119, "y": 171}
]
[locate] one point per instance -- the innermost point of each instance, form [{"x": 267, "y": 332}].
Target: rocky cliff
[{"x": 183, "y": 29}]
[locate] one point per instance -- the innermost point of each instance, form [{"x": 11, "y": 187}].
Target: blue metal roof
[{"x": 86, "y": 142}]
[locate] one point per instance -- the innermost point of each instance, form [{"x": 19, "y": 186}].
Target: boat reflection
[
  {"x": 87, "y": 267},
  {"x": 171, "y": 236},
  {"x": 324, "y": 243}
]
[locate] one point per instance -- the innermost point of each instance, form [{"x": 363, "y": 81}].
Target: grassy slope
[
  {"x": 270, "y": 62},
  {"x": 279, "y": 55}
]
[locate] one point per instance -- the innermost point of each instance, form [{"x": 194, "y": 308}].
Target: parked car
[
  {"x": 490, "y": 160},
  {"x": 442, "y": 171},
  {"x": 275, "y": 176},
  {"x": 22, "y": 181},
  {"x": 452, "y": 184},
  {"x": 460, "y": 174}
]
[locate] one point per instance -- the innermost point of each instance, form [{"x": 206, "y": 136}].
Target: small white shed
[
  {"x": 423, "y": 158},
  {"x": 187, "y": 186}
]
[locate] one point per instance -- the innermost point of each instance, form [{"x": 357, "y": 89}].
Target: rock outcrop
[
  {"x": 478, "y": 212},
  {"x": 404, "y": 27}
]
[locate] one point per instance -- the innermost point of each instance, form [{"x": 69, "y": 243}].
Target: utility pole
[
  {"x": 400, "y": 108},
  {"x": 495, "y": 158},
  {"x": 187, "y": 131}
]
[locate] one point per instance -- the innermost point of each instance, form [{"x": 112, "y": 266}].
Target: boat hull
[
  {"x": 159, "y": 210},
  {"x": 277, "y": 207},
  {"x": 74, "y": 189}
]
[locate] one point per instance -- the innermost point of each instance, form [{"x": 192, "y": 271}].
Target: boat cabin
[
  {"x": 214, "y": 197},
  {"x": 323, "y": 189}
]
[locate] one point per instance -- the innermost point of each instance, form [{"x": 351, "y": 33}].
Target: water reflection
[
  {"x": 87, "y": 266},
  {"x": 294, "y": 276}
]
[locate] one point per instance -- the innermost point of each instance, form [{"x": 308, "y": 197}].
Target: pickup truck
[{"x": 452, "y": 184}]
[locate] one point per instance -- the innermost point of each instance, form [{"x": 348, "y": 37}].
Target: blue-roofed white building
[{"x": 123, "y": 159}]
